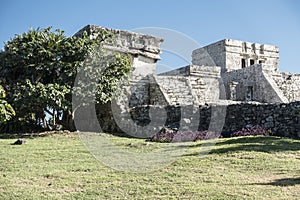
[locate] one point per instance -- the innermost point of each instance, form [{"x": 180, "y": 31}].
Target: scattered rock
[{"x": 19, "y": 142}]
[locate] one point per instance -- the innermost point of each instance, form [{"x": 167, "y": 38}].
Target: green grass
[{"x": 60, "y": 167}]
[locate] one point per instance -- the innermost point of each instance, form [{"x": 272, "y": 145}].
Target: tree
[
  {"x": 6, "y": 110},
  {"x": 38, "y": 69}
]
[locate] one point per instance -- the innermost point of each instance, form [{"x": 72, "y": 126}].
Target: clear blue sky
[{"x": 274, "y": 22}]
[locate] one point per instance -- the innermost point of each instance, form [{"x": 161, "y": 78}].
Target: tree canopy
[
  {"x": 38, "y": 69},
  {"x": 6, "y": 110}
]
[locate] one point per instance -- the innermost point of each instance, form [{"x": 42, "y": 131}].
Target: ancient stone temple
[
  {"x": 231, "y": 71},
  {"x": 248, "y": 72}
]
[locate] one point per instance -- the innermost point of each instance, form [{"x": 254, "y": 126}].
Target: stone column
[{"x": 232, "y": 90}]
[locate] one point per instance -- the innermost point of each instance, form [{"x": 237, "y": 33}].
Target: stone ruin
[{"x": 241, "y": 77}]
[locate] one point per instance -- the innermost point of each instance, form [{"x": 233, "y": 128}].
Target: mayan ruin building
[{"x": 242, "y": 74}]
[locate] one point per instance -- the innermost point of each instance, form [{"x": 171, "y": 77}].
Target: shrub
[
  {"x": 255, "y": 130},
  {"x": 170, "y": 135}
]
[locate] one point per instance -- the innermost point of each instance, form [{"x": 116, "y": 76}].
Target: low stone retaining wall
[{"x": 282, "y": 119}]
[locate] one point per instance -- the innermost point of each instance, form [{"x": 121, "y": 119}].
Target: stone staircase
[{"x": 177, "y": 90}]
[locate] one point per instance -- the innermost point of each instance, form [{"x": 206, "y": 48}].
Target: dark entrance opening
[
  {"x": 251, "y": 62},
  {"x": 249, "y": 93},
  {"x": 243, "y": 63}
]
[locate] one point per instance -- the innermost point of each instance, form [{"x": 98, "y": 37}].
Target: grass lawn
[{"x": 59, "y": 166}]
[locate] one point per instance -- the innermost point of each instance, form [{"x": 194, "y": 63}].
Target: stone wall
[
  {"x": 128, "y": 42},
  {"x": 191, "y": 84},
  {"x": 157, "y": 95},
  {"x": 145, "y": 51},
  {"x": 206, "y": 83},
  {"x": 281, "y": 119},
  {"x": 252, "y": 53},
  {"x": 210, "y": 55},
  {"x": 176, "y": 90},
  {"x": 253, "y": 83},
  {"x": 228, "y": 54},
  {"x": 140, "y": 81},
  {"x": 289, "y": 84}
]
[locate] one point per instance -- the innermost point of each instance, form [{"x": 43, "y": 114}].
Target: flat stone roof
[{"x": 129, "y": 42}]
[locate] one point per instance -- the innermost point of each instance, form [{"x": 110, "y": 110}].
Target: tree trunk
[
  {"x": 45, "y": 123},
  {"x": 54, "y": 120},
  {"x": 68, "y": 121}
]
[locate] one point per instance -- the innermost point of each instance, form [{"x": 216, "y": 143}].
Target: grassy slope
[{"x": 60, "y": 167}]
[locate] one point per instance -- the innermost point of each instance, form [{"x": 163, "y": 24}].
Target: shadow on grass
[
  {"x": 48, "y": 133},
  {"x": 31, "y": 135},
  {"x": 266, "y": 144},
  {"x": 283, "y": 182},
  {"x": 259, "y": 144}
]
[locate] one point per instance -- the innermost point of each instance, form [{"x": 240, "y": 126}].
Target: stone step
[{"x": 176, "y": 89}]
